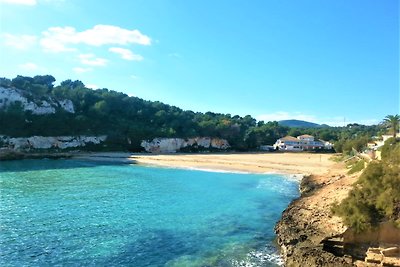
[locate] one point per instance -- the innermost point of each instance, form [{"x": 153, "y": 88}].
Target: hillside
[
  {"x": 33, "y": 106},
  {"x": 301, "y": 124}
]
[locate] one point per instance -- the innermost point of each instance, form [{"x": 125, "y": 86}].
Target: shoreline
[
  {"x": 303, "y": 225},
  {"x": 300, "y": 163},
  {"x": 252, "y": 163},
  {"x": 307, "y": 221},
  {"x": 307, "y": 224}
]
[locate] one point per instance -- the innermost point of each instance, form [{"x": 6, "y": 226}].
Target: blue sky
[{"x": 321, "y": 61}]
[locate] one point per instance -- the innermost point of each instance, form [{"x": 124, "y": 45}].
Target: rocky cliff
[
  {"x": 307, "y": 230},
  {"x": 9, "y": 96},
  {"x": 172, "y": 145},
  {"x": 49, "y": 142}
]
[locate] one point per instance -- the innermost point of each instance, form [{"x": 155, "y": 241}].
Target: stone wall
[{"x": 172, "y": 145}]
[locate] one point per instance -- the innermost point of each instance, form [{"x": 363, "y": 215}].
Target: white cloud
[
  {"x": 59, "y": 39},
  {"x": 134, "y": 77},
  {"x": 176, "y": 55},
  {"x": 92, "y": 86},
  {"x": 55, "y": 39},
  {"x": 81, "y": 70},
  {"x": 21, "y": 42},
  {"x": 20, "y": 2},
  {"x": 92, "y": 60},
  {"x": 341, "y": 121},
  {"x": 125, "y": 53},
  {"x": 331, "y": 121},
  {"x": 29, "y": 66},
  {"x": 370, "y": 121}
]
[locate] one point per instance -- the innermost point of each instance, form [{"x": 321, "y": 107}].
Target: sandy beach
[{"x": 287, "y": 163}]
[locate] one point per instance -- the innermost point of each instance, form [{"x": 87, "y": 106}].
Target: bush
[
  {"x": 375, "y": 197},
  {"x": 358, "y": 166}
]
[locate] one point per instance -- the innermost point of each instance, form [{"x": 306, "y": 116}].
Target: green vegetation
[
  {"x": 375, "y": 197},
  {"x": 393, "y": 121},
  {"x": 356, "y": 167},
  {"x": 128, "y": 120}
]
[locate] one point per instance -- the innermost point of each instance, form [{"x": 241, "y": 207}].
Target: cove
[{"x": 82, "y": 213}]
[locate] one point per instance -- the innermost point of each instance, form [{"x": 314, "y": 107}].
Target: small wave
[
  {"x": 261, "y": 257},
  {"x": 195, "y": 169},
  {"x": 297, "y": 177},
  {"x": 215, "y": 170}
]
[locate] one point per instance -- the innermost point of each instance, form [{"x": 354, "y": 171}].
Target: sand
[{"x": 286, "y": 163}]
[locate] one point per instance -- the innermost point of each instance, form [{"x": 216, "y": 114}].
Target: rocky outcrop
[
  {"x": 172, "y": 145},
  {"x": 9, "y": 96},
  {"x": 307, "y": 231},
  {"x": 49, "y": 142}
]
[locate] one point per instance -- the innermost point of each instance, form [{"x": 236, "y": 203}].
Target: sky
[{"x": 332, "y": 61}]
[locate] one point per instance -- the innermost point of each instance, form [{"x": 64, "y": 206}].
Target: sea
[{"x": 85, "y": 213}]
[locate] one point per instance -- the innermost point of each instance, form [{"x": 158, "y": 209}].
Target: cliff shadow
[{"x": 24, "y": 165}]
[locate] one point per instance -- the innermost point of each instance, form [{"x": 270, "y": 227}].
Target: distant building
[
  {"x": 288, "y": 143},
  {"x": 372, "y": 145},
  {"x": 379, "y": 141},
  {"x": 301, "y": 143}
]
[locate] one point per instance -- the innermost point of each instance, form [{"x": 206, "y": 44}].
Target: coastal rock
[
  {"x": 164, "y": 145},
  {"x": 48, "y": 142},
  {"x": 172, "y": 145},
  {"x": 308, "y": 223},
  {"x": 9, "y": 96},
  {"x": 219, "y": 143}
]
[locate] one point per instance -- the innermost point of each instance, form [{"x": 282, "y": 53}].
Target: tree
[
  {"x": 4, "y": 82},
  {"x": 45, "y": 80},
  {"x": 22, "y": 82},
  {"x": 393, "y": 121}
]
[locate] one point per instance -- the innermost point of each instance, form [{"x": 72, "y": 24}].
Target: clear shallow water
[{"x": 67, "y": 212}]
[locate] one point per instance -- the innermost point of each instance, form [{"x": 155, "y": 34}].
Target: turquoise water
[{"x": 77, "y": 213}]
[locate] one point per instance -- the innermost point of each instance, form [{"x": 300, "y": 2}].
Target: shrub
[
  {"x": 375, "y": 197},
  {"x": 358, "y": 166}
]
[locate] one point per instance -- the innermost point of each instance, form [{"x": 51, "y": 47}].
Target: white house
[
  {"x": 301, "y": 143},
  {"x": 288, "y": 143}
]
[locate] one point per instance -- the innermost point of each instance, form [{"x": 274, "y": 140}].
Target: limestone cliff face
[
  {"x": 172, "y": 145},
  {"x": 47, "y": 142},
  {"x": 10, "y": 95}
]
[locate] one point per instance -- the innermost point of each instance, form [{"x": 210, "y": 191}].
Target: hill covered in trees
[
  {"x": 301, "y": 124},
  {"x": 128, "y": 120}
]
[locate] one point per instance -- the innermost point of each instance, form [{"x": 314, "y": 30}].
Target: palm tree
[{"x": 393, "y": 121}]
